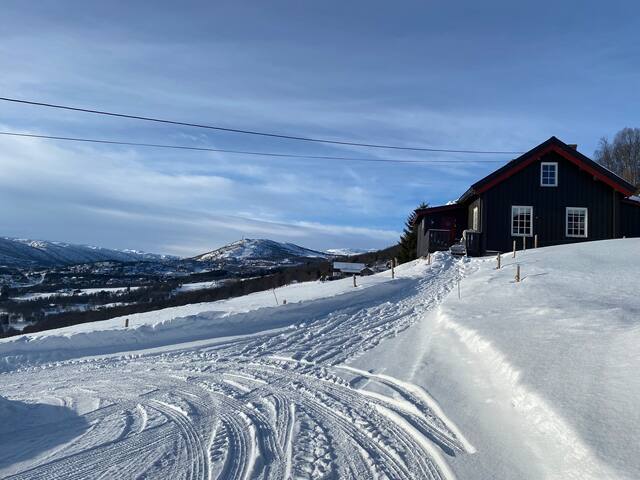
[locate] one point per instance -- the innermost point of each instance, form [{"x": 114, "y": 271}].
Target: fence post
[
  {"x": 518, "y": 273},
  {"x": 535, "y": 241},
  {"x": 498, "y": 259},
  {"x": 354, "y": 280},
  {"x": 126, "y": 323},
  {"x": 514, "y": 249}
]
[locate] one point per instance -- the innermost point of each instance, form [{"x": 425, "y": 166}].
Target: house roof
[
  {"x": 349, "y": 267},
  {"x": 421, "y": 212},
  {"x": 552, "y": 145}
]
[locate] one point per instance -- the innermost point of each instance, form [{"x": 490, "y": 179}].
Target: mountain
[
  {"x": 250, "y": 250},
  {"x": 346, "y": 252},
  {"x": 20, "y": 252}
]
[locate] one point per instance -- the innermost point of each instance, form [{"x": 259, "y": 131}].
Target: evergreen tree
[{"x": 409, "y": 238}]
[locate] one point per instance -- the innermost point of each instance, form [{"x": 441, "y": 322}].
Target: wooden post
[
  {"x": 518, "y": 273},
  {"x": 393, "y": 267},
  {"x": 498, "y": 259},
  {"x": 354, "y": 280},
  {"x": 429, "y": 258},
  {"x": 535, "y": 241},
  {"x": 524, "y": 243},
  {"x": 126, "y": 323},
  {"x": 514, "y": 249}
]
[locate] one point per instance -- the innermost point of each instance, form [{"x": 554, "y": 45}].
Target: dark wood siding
[
  {"x": 576, "y": 188},
  {"x": 630, "y": 219}
]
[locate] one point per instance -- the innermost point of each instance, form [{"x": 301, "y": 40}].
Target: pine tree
[{"x": 409, "y": 238}]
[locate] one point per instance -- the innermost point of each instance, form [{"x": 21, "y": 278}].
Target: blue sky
[{"x": 478, "y": 75}]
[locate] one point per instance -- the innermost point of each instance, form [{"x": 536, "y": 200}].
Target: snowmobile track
[{"x": 274, "y": 406}]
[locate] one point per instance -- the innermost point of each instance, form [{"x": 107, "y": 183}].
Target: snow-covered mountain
[
  {"x": 248, "y": 250},
  {"x": 346, "y": 252},
  {"x": 20, "y": 252}
]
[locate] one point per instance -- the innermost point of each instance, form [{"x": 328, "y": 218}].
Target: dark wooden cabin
[{"x": 552, "y": 192}]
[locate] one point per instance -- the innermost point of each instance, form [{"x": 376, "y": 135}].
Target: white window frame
[
  {"x": 475, "y": 214},
  {"x": 586, "y": 222},
  {"x": 542, "y": 165},
  {"x": 530, "y": 208}
]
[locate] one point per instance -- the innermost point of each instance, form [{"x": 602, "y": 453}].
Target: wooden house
[{"x": 552, "y": 193}]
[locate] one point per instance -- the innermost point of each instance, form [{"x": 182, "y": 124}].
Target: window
[
  {"x": 476, "y": 219},
  {"x": 577, "y": 222},
  {"x": 521, "y": 221},
  {"x": 549, "y": 174}
]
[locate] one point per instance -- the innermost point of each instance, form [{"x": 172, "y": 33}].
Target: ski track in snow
[{"x": 278, "y": 405}]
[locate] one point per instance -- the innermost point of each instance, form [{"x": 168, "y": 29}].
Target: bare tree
[{"x": 622, "y": 156}]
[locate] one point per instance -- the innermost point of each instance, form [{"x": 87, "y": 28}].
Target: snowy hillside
[
  {"x": 259, "y": 249},
  {"x": 18, "y": 252},
  {"x": 396, "y": 378}
]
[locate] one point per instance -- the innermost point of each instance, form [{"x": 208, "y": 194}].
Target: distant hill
[
  {"x": 22, "y": 253},
  {"x": 249, "y": 250}
]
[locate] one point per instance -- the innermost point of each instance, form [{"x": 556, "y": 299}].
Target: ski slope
[{"x": 397, "y": 378}]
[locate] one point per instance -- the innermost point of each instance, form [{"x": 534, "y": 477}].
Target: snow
[
  {"x": 190, "y": 287},
  {"x": 395, "y": 378},
  {"x": 549, "y": 364}
]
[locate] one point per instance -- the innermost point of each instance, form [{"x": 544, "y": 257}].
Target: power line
[
  {"x": 254, "y": 132},
  {"x": 242, "y": 152}
]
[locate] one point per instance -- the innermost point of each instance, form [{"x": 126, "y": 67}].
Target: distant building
[
  {"x": 344, "y": 269},
  {"x": 552, "y": 194}
]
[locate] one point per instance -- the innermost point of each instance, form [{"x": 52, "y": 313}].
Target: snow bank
[
  {"x": 541, "y": 375},
  {"x": 565, "y": 340}
]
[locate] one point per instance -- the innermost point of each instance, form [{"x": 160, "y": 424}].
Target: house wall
[
  {"x": 576, "y": 188},
  {"x": 630, "y": 219}
]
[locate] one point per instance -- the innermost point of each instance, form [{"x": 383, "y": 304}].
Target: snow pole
[
  {"x": 498, "y": 259},
  {"x": 518, "y": 273},
  {"x": 274, "y": 296},
  {"x": 524, "y": 243},
  {"x": 429, "y": 258},
  {"x": 354, "y": 280},
  {"x": 514, "y": 249},
  {"x": 458, "y": 288},
  {"x": 393, "y": 265},
  {"x": 535, "y": 241},
  {"x": 126, "y": 323}
]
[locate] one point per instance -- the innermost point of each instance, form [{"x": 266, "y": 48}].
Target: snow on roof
[{"x": 349, "y": 267}]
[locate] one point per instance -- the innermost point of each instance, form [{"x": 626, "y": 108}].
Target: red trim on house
[{"x": 554, "y": 148}]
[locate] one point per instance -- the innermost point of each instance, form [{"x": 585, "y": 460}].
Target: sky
[{"x": 499, "y": 75}]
